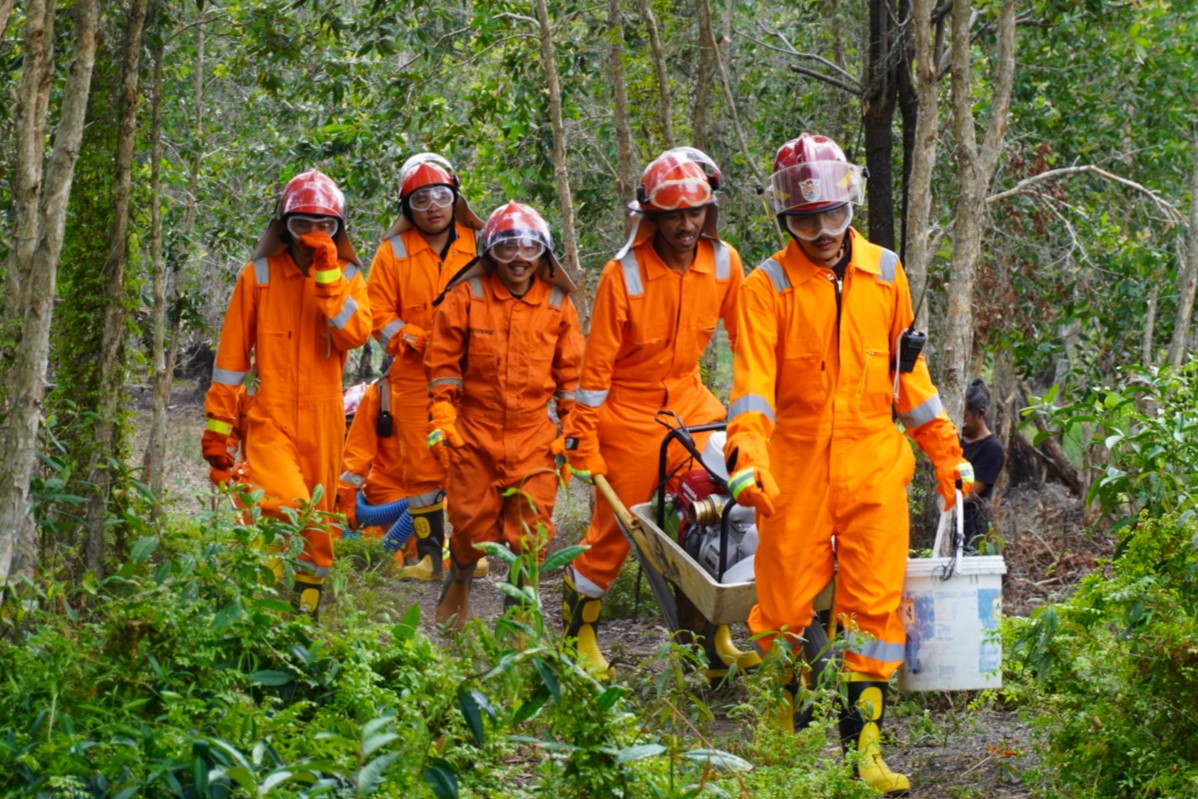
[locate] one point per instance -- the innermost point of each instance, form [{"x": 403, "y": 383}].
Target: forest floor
[{"x": 951, "y": 748}]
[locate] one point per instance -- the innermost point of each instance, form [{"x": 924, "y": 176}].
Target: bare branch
[
  {"x": 790, "y": 50},
  {"x": 1025, "y": 186},
  {"x": 856, "y": 92}
]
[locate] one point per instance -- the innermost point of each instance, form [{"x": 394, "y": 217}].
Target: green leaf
[
  {"x": 407, "y": 626},
  {"x": 371, "y": 775},
  {"x": 273, "y": 678},
  {"x": 143, "y": 548},
  {"x": 562, "y": 557},
  {"x": 498, "y": 551},
  {"x": 638, "y": 753},
  {"x": 719, "y": 759},
  {"x": 375, "y": 742},
  {"x": 227, "y": 616},
  {"x": 473, "y": 715},
  {"x": 275, "y": 778},
  {"x": 441, "y": 778},
  {"x": 531, "y": 707},
  {"x": 548, "y": 678},
  {"x": 609, "y": 697}
]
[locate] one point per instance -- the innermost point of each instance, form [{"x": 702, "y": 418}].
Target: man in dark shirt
[{"x": 983, "y": 449}]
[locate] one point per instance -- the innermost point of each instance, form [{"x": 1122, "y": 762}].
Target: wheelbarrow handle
[{"x": 631, "y": 525}]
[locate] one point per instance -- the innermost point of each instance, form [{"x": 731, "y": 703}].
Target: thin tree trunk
[
  {"x": 626, "y": 180},
  {"x": 155, "y": 457},
  {"x": 879, "y": 94},
  {"x": 975, "y": 169},
  {"x": 1149, "y": 325},
  {"x": 659, "y": 67},
  {"x": 704, "y": 75},
  {"x": 5, "y": 16},
  {"x": 38, "y": 242},
  {"x": 561, "y": 174},
  {"x": 1188, "y": 279},
  {"x": 112, "y": 345},
  {"x": 923, "y": 155}
]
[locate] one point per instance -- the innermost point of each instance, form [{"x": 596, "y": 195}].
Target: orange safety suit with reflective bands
[
  {"x": 405, "y": 277},
  {"x": 814, "y": 376},
  {"x": 500, "y": 359},
  {"x": 294, "y": 336},
  {"x": 649, "y": 327},
  {"x": 372, "y": 462}
]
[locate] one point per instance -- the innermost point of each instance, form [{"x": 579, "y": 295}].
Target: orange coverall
[
  {"x": 815, "y": 378},
  {"x": 371, "y": 463},
  {"x": 649, "y": 327},
  {"x": 500, "y": 359},
  {"x": 405, "y": 277},
  {"x": 295, "y": 338}
]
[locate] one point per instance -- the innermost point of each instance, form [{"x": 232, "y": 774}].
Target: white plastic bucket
[{"x": 953, "y": 641}]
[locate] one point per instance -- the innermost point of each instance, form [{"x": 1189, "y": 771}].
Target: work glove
[
  {"x": 755, "y": 488},
  {"x": 215, "y": 445},
  {"x": 347, "y": 504},
  {"x": 413, "y": 337},
  {"x": 220, "y": 477},
  {"x": 326, "y": 266},
  {"x": 950, "y": 478},
  {"x": 583, "y": 459},
  {"x": 558, "y": 448},
  {"x": 442, "y": 430}
]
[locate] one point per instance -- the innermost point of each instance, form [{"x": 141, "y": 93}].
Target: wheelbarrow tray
[{"x": 720, "y": 603}]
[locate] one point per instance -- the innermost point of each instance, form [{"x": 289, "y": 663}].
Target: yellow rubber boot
[
  {"x": 722, "y": 653},
  {"x": 580, "y": 616},
  {"x": 861, "y": 728},
  {"x": 305, "y": 596},
  {"x": 429, "y": 524},
  {"x": 453, "y": 606}
]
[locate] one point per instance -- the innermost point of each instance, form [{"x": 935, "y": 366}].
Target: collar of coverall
[
  {"x": 642, "y": 226},
  {"x": 463, "y": 214},
  {"x": 812, "y": 269},
  {"x": 551, "y": 272},
  {"x": 272, "y": 243}
]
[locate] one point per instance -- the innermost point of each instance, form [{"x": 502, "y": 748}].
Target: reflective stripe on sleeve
[
  {"x": 555, "y": 297},
  {"x": 328, "y": 276},
  {"x": 347, "y": 312},
  {"x": 261, "y": 272},
  {"x": 776, "y": 274},
  {"x": 923, "y": 413},
  {"x": 217, "y": 426},
  {"x": 446, "y": 381},
  {"x": 632, "y": 274},
  {"x": 397, "y": 247},
  {"x": 889, "y": 265},
  {"x": 476, "y": 286},
  {"x": 565, "y": 395},
  {"x": 351, "y": 270},
  {"x": 389, "y": 330},
  {"x": 355, "y": 480},
  {"x": 723, "y": 260},
  {"x": 228, "y": 377},
  {"x": 751, "y": 402},
  {"x": 591, "y": 398}
]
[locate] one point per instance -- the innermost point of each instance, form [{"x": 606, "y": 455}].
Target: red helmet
[
  {"x": 515, "y": 221},
  {"x": 425, "y": 169},
  {"x": 679, "y": 178},
  {"x": 312, "y": 193},
  {"x": 811, "y": 175}
]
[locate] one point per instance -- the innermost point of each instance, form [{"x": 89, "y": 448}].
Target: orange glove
[
  {"x": 583, "y": 458},
  {"x": 442, "y": 432},
  {"x": 215, "y": 446},
  {"x": 326, "y": 266},
  {"x": 558, "y": 448},
  {"x": 347, "y": 503},
  {"x": 220, "y": 477},
  {"x": 948, "y": 479},
  {"x": 413, "y": 337},
  {"x": 752, "y": 484}
]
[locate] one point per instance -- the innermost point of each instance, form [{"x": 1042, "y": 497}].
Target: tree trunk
[
  {"x": 1149, "y": 326},
  {"x": 974, "y": 172},
  {"x": 627, "y": 178},
  {"x": 877, "y": 118},
  {"x": 561, "y": 175},
  {"x": 923, "y": 154},
  {"x": 155, "y": 457},
  {"x": 112, "y": 347},
  {"x": 37, "y": 238},
  {"x": 5, "y": 16},
  {"x": 1188, "y": 279},
  {"x": 704, "y": 75},
  {"x": 659, "y": 67}
]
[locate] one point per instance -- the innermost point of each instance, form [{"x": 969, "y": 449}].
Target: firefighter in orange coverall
[
  {"x": 812, "y": 444},
  {"x": 657, "y": 305},
  {"x": 296, "y": 310},
  {"x": 430, "y": 242},
  {"x": 506, "y": 340}
]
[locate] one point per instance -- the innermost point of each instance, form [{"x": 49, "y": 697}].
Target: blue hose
[
  {"x": 399, "y": 533},
  {"x": 380, "y": 515}
]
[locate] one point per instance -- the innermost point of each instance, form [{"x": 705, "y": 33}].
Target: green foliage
[{"x": 1115, "y": 670}]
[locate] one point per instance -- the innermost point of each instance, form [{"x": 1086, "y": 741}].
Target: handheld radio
[{"x": 911, "y": 342}]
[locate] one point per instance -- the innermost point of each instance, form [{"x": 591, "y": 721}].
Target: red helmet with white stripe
[
  {"x": 683, "y": 177},
  {"x": 811, "y": 176}
]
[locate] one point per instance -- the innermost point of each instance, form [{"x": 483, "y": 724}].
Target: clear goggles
[
  {"x": 426, "y": 198},
  {"x": 810, "y": 227},
  {"x": 525, "y": 248},
  {"x": 301, "y": 224}
]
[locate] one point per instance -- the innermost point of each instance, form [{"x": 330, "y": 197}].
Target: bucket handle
[{"x": 945, "y": 529}]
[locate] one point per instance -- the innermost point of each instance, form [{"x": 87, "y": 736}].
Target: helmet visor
[
  {"x": 816, "y": 185},
  {"x": 809, "y": 227},
  {"x": 301, "y": 224},
  {"x": 426, "y": 198},
  {"x": 526, "y": 248}
]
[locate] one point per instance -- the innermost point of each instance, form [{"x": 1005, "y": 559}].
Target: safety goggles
[
  {"x": 424, "y": 199},
  {"x": 301, "y": 224},
  {"x": 810, "y": 227},
  {"x": 673, "y": 195},
  {"x": 524, "y": 248},
  {"x": 816, "y": 183}
]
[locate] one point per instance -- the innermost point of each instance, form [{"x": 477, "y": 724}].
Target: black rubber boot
[
  {"x": 861, "y": 731},
  {"x": 580, "y": 615},
  {"x": 429, "y": 523}
]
